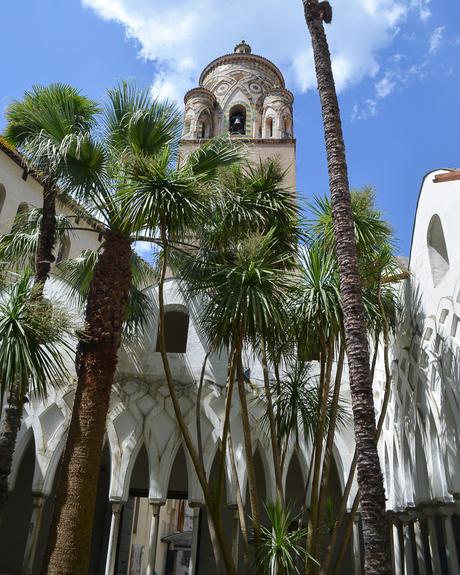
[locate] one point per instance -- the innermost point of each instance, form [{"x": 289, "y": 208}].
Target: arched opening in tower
[{"x": 238, "y": 120}]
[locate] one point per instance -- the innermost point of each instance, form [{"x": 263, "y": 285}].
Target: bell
[{"x": 237, "y": 121}]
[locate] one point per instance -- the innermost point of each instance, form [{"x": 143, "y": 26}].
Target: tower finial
[{"x": 242, "y": 48}]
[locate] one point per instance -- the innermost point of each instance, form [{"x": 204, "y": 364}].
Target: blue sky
[{"x": 396, "y": 64}]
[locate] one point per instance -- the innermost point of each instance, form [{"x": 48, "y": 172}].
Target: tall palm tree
[
  {"x": 135, "y": 132},
  {"x": 33, "y": 345},
  {"x": 370, "y": 478},
  {"x": 43, "y": 126}
]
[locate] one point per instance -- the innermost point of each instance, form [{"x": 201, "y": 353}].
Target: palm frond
[{"x": 34, "y": 340}]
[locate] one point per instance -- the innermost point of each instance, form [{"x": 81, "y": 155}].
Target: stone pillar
[
  {"x": 357, "y": 544},
  {"x": 195, "y": 536},
  {"x": 419, "y": 546},
  {"x": 113, "y": 538},
  {"x": 395, "y": 544},
  {"x": 235, "y": 534},
  {"x": 433, "y": 540},
  {"x": 34, "y": 530},
  {"x": 407, "y": 542},
  {"x": 155, "y": 507},
  {"x": 449, "y": 540}
]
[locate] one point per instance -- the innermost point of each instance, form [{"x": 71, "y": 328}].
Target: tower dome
[
  {"x": 242, "y": 48},
  {"x": 244, "y": 95},
  {"x": 240, "y": 93}
]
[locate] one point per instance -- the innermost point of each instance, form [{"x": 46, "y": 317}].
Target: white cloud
[
  {"x": 385, "y": 86},
  {"x": 436, "y": 39},
  {"x": 423, "y": 8},
  {"x": 367, "y": 110},
  {"x": 181, "y": 37}
]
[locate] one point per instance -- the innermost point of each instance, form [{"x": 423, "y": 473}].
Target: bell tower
[{"x": 243, "y": 94}]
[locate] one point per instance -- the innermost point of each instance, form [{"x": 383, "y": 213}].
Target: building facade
[{"x": 150, "y": 513}]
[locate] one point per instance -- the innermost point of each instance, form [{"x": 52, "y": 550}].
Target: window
[
  {"x": 269, "y": 127},
  {"x": 437, "y": 250},
  {"x": 20, "y": 217},
  {"x": 64, "y": 249},
  {"x": 287, "y": 125},
  {"x": 2, "y": 196},
  {"x": 238, "y": 120},
  {"x": 204, "y": 126},
  {"x": 176, "y": 331}
]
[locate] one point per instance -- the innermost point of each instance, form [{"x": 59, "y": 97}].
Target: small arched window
[
  {"x": 437, "y": 250},
  {"x": 20, "y": 216},
  {"x": 269, "y": 127},
  {"x": 176, "y": 331},
  {"x": 2, "y": 197},
  {"x": 287, "y": 126},
  {"x": 204, "y": 126},
  {"x": 63, "y": 251},
  {"x": 237, "y": 120}
]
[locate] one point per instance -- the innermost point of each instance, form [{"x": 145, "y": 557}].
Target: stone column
[
  {"x": 433, "y": 539},
  {"x": 395, "y": 544},
  {"x": 155, "y": 508},
  {"x": 34, "y": 531},
  {"x": 419, "y": 545},
  {"x": 357, "y": 544},
  {"x": 407, "y": 541},
  {"x": 195, "y": 535},
  {"x": 449, "y": 540},
  {"x": 113, "y": 538}
]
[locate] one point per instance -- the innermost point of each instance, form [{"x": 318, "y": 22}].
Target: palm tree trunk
[
  {"x": 272, "y": 422},
  {"x": 250, "y": 469},
  {"x": 9, "y": 428},
  {"x": 341, "y": 515},
  {"x": 327, "y": 356},
  {"x": 47, "y": 235},
  {"x": 370, "y": 478},
  {"x": 222, "y": 552},
  {"x": 226, "y": 426},
  {"x": 69, "y": 544},
  {"x": 329, "y": 445},
  {"x": 240, "y": 504}
]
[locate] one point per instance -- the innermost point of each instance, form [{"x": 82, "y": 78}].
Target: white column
[
  {"x": 407, "y": 539},
  {"x": 34, "y": 530},
  {"x": 395, "y": 546},
  {"x": 113, "y": 538},
  {"x": 419, "y": 546},
  {"x": 356, "y": 544},
  {"x": 195, "y": 535},
  {"x": 449, "y": 540},
  {"x": 433, "y": 541},
  {"x": 153, "y": 536},
  {"x": 235, "y": 534}
]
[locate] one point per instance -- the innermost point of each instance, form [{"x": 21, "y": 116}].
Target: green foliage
[
  {"x": 34, "y": 339},
  {"x": 47, "y": 123},
  {"x": 19, "y": 247},
  {"x": 296, "y": 399},
  {"x": 76, "y": 275},
  {"x": 245, "y": 291},
  {"x": 283, "y": 543}
]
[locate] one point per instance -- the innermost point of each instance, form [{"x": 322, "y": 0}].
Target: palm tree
[
  {"x": 370, "y": 478},
  {"x": 136, "y": 132},
  {"x": 43, "y": 126},
  {"x": 33, "y": 345},
  {"x": 283, "y": 546}
]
